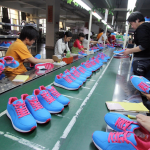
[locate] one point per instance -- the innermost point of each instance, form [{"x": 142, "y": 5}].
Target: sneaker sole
[
  {"x": 67, "y": 104},
  {"x": 97, "y": 145},
  {"x": 19, "y": 130},
  {"x": 44, "y": 66},
  {"x": 56, "y": 112},
  {"x": 43, "y": 122},
  {"x": 59, "y": 85}
]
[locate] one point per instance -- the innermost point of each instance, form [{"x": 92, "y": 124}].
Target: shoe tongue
[
  {"x": 131, "y": 138},
  {"x": 49, "y": 87},
  {"x": 31, "y": 97},
  {"x": 19, "y": 101}
]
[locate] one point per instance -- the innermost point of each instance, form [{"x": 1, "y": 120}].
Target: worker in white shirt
[
  {"x": 104, "y": 38},
  {"x": 62, "y": 44},
  {"x": 85, "y": 41}
]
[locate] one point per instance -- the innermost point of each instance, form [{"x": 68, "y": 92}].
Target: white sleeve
[
  {"x": 67, "y": 47},
  {"x": 59, "y": 42}
]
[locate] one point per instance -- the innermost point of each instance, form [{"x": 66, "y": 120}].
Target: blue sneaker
[
  {"x": 2, "y": 67},
  {"x": 106, "y": 56},
  {"x": 40, "y": 114},
  {"x": 120, "y": 123},
  {"x": 77, "y": 75},
  {"x": 119, "y": 141},
  {"x": 67, "y": 73},
  {"x": 81, "y": 53},
  {"x": 118, "y": 52},
  {"x": 102, "y": 58},
  {"x": 48, "y": 101},
  {"x": 140, "y": 83},
  {"x": 97, "y": 61},
  {"x": 10, "y": 62},
  {"x": 93, "y": 65},
  {"x": 20, "y": 116},
  {"x": 66, "y": 83},
  {"x": 81, "y": 74},
  {"x": 87, "y": 67},
  {"x": 59, "y": 97},
  {"x": 83, "y": 71}
]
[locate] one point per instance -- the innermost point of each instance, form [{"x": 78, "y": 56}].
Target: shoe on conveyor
[
  {"x": 56, "y": 95},
  {"x": 2, "y": 67},
  {"x": 83, "y": 71},
  {"x": 48, "y": 101},
  {"x": 102, "y": 58},
  {"x": 95, "y": 63},
  {"x": 44, "y": 66},
  {"x": 120, "y": 123},
  {"x": 140, "y": 83},
  {"x": 75, "y": 80},
  {"x": 20, "y": 116},
  {"x": 40, "y": 114},
  {"x": 65, "y": 82},
  {"x": 93, "y": 67},
  {"x": 119, "y": 141},
  {"x": 106, "y": 56},
  {"x": 87, "y": 66},
  {"x": 10, "y": 62},
  {"x": 77, "y": 75}
]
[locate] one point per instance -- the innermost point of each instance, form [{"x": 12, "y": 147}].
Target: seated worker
[
  {"x": 77, "y": 46},
  {"x": 104, "y": 38},
  {"x": 62, "y": 44},
  {"x": 100, "y": 34},
  {"x": 85, "y": 42},
  {"x": 141, "y": 62},
  {"x": 111, "y": 38},
  {"x": 19, "y": 51}
]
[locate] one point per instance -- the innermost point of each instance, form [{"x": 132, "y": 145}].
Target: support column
[
  {"x": 52, "y": 22},
  {"x": 125, "y": 40}
]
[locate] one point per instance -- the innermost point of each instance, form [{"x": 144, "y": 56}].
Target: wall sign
[{"x": 50, "y": 14}]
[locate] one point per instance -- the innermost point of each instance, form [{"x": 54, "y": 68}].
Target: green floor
[{"x": 89, "y": 120}]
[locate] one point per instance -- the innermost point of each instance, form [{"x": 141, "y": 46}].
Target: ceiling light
[
  {"x": 96, "y": 15},
  {"x": 83, "y": 4}
]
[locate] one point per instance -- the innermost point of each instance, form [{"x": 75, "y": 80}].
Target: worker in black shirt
[{"x": 141, "y": 63}]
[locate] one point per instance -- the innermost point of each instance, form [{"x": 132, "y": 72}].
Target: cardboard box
[{"x": 56, "y": 59}]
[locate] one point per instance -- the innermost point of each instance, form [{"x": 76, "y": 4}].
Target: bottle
[{"x": 68, "y": 54}]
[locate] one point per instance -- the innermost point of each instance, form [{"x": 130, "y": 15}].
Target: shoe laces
[
  {"x": 144, "y": 86},
  {"x": 88, "y": 65},
  {"x": 54, "y": 92},
  {"x": 21, "y": 110},
  {"x": 81, "y": 70},
  {"x": 36, "y": 105},
  {"x": 49, "y": 99},
  {"x": 97, "y": 60},
  {"x": 118, "y": 137},
  {"x": 92, "y": 62},
  {"x": 123, "y": 124},
  {"x": 73, "y": 78},
  {"x": 75, "y": 73},
  {"x": 67, "y": 79}
]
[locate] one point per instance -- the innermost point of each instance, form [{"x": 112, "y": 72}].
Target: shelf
[
  {"x": 9, "y": 36},
  {"x": 9, "y": 24}
]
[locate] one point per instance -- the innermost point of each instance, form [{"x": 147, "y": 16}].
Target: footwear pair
[
  {"x": 5, "y": 44},
  {"x": 129, "y": 135},
  {"x": 71, "y": 80},
  {"x": 26, "y": 112},
  {"x": 140, "y": 83},
  {"x": 9, "y": 61},
  {"x": 103, "y": 58}
]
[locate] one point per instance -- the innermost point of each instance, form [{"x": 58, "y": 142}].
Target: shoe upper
[
  {"x": 48, "y": 101},
  {"x": 120, "y": 122},
  {"x": 87, "y": 67},
  {"x": 10, "y": 62},
  {"x": 55, "y": 94},
  {"x": 20, "y": 115},
  {"x": 35, "y": 108},
  {"x": 140, "y": 83},
  {"x": 66, "y": 81}
]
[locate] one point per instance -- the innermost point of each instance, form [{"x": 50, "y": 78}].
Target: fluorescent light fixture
[
  {"x": 131, "y": 6},
  {"x": 104, "y": 22},
  {"x": 109, "y": 26},
  {"x": 83, "y": 4},
  {"x": 96, "y": 15}
]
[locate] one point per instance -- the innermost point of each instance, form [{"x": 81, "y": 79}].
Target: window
[{"x": 43, "y": 23}]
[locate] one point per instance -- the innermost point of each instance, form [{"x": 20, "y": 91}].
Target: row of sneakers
[
  {"x": 128, "y": 136},
  {"x": 118, "y": 54},
  {"x": 5, "y": 44},
  {"x": 26, "y": 112},
  {"x": 140, "y": 83},
  {"x": 74, "y": 78},
  {"x": 8, "y": 61}
]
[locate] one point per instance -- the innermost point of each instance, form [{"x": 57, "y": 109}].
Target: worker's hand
[
  {"x": 144, "y": 121},
  {"x": 126, "y": 52},
  {"x": 50, "y": 61},
  {"x": 147, "y": 95}
]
